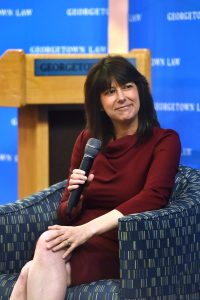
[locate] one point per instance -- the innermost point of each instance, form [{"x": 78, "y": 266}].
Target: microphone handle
[{"x": 75, "y": 194}]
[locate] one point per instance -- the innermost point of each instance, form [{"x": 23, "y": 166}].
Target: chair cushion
[
  {"x": 100, "y": 290},
  {"x": 21, "y": 224},
  {"x": 186, "y": 181},
  {"x": 7, "y": 282}
]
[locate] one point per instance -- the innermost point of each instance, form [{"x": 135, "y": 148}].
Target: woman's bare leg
[
  {"x": 20, "y": 288},
  {"x": 49, "y": 275}
]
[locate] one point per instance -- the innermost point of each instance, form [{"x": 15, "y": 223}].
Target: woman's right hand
[{"x": 78, "y": 177}]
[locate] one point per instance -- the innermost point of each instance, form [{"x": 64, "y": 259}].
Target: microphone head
[{"x": 92, "y": 147}]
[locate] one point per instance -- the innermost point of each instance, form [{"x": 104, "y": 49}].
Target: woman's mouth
[{"x": 123, "y": 107}]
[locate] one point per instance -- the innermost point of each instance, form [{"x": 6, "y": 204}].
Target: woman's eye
[
  {"x": 110, "y": 91},
  {"x": 128, "y": 85}
]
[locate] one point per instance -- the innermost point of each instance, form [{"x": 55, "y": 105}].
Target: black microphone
[{"x": 91, "y": 150}]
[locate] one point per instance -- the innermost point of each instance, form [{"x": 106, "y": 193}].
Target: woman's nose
[{"x": 120, "y": 94}]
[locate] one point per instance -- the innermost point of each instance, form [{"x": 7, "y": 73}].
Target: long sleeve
[
  {"x": 76, "y": 157},
  {"x": 160, "y": 177}
]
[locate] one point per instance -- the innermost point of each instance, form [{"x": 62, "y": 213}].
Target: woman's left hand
[{"x": 68, "y": 237}]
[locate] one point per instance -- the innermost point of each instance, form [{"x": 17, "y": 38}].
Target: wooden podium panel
[
  {"x": 12, "y": 78},
  {"x": 35, "y": 84}
]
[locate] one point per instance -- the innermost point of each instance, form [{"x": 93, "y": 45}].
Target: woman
[{"x": 133, "y": 172}]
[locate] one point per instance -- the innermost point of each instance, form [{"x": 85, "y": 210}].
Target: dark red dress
[{"x": 129, "y": 178}]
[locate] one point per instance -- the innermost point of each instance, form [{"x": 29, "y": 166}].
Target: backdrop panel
[
  {"x": 170, "y": 29},
  {"x": 8, "y": 155},
  {"x": 44, "y": 27}
]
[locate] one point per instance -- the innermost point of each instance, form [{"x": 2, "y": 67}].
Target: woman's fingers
[
  {"x": 77, "y": 177},
  {"x": 78, "y": 171},
  {"x": 64, "y": 244},
  {"x": 69, "y": 250},
  {"x": 78, "y": 174},
  {"x": 68, "y": 257},
  {"x": 67, "y": 237},
  {"x": 58, "y": 237},
  {"x": 54, "y": 227},
  {"x": 90, "y": 178},
  {"x": 55, "y": 242},
  {"x": 54, "y": 234}
]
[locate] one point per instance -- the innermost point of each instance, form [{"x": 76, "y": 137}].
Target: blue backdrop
[
  {"x": 171, "y": 29},
  {"x": 8, "y": 155},
  {"x": 44, "y": 27}
]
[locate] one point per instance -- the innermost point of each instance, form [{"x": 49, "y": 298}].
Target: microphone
[{"x": 91, "y": 150}]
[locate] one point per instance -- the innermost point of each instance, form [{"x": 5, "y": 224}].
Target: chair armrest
[
  {"x": 22, "y": 222},
  {"x": 159, "y": 250}
]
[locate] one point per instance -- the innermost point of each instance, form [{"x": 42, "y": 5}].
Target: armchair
[{"x": 159, "y": 250}]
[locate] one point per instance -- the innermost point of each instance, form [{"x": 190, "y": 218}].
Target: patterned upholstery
[
  {"x": 101, "y": 290},
  {"x": 159, "y": 250}
]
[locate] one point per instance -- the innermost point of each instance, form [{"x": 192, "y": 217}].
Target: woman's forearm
[
  {"x": 78, "y": 235},
  {"x": 105, "y": 222}
]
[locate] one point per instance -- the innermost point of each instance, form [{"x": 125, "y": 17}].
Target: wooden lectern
[{"x": 35, "y": 84}]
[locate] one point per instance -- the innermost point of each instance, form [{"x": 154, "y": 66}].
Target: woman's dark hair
[{"x": 99, "y": 79}]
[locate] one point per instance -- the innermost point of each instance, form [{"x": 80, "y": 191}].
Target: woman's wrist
[{"x": 104, "y": 223}]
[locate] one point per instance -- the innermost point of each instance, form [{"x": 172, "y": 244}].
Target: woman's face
[{"x": 122, "y": 104}]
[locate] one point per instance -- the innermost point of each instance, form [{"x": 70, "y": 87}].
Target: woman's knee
[
  {"x": 41, "y": 242},
  {"x": 44, "y": 254}
]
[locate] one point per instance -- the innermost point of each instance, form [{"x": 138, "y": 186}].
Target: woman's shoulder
[
  {"x": 159, "y": 132},
  {"x": 166, "y": 136},
  {"x": 83, "y": 137},
  {"x": 81, "y": 141},
  {"x": 79, "y": 146}
]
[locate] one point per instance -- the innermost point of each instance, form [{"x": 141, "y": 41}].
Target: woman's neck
[{"x": 121, "y": 131}]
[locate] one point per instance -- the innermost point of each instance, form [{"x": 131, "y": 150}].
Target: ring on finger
[{"x": 67, "y": 242}]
